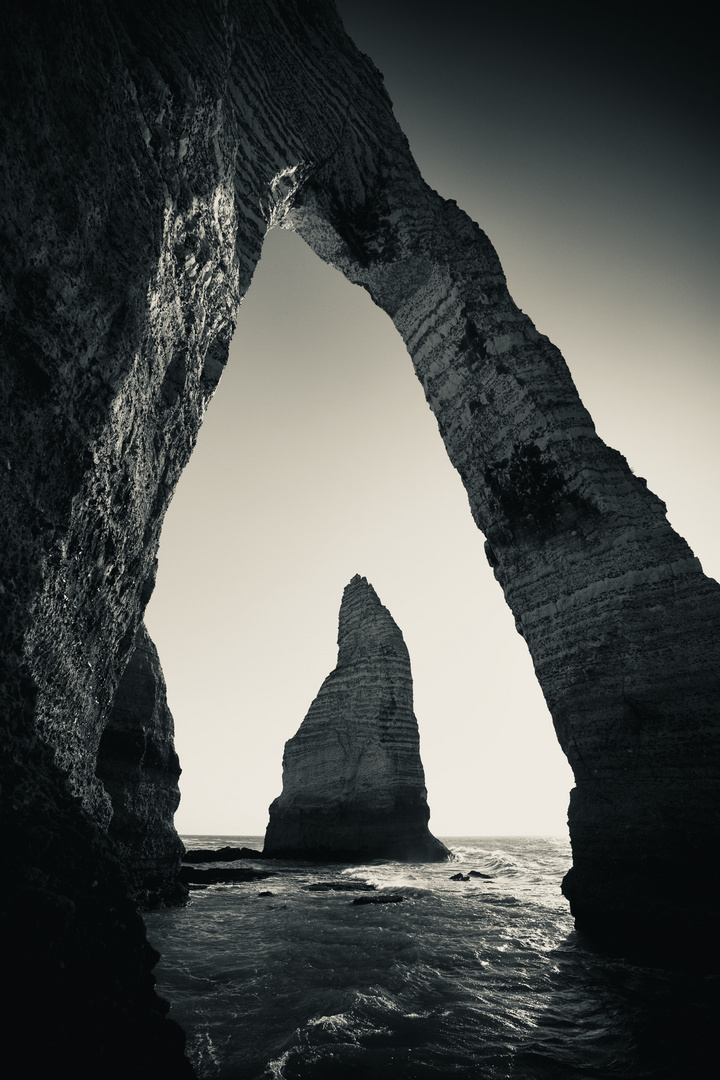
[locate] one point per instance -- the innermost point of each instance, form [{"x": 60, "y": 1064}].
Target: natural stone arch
[
  {"x": 620, "y": 621},
  {"x": 145, "y": 150}
]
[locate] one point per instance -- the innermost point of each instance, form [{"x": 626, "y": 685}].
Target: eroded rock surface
[
  {"x": 353, "y": 782},
  {"x": 139, "y": 770}
]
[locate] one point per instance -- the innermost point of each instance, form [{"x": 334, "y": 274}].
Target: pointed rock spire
[{"x": 353, "y": 782}]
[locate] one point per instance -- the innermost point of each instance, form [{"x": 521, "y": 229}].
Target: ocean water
[{"x": 482, "y": 979}]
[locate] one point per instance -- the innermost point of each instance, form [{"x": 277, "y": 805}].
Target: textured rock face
[
  {"x": 622, "y": 625},
  {"x": 119, "y": 284},
  {"x": 144, "y": 149},
  {"x": 139, "y": 770},
  {"x": 353, "y": 782}
]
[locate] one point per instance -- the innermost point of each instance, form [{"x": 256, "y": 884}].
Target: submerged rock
[
  {"x": 222, "y": 875},
  {"x": 378, "y": 900},
  {"x": 223, "y": 854},
  {"x": 340, "y": 886},
  {"x": 353, "y": 782}
]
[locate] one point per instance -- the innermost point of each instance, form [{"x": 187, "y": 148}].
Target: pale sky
[{"x": 319, "y": 457}]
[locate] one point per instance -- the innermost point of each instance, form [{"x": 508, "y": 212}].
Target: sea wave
[{"x": 478, "y": 977}]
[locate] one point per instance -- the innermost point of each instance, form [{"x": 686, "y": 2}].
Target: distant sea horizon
[{"x": 440, "y": 836}]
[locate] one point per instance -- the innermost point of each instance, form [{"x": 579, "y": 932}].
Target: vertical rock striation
[
  {"x": 353, "y": 782},
  {"x": 139, "y": 770}
]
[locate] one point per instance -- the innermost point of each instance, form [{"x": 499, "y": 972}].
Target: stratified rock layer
[
  {"x": 353, "y": 782},
  {"x": 139, "y": 769}
]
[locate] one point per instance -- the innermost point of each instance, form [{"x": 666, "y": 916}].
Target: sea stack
[{"x": 353, "y": 782}]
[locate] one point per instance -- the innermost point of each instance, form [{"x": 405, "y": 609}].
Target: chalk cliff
[
  {"x": 144, "y": 151},
  {"x": 139, "y": 770},
  {"x": 353, "y": 782}
]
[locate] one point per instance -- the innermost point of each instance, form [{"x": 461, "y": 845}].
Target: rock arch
[{"x": 145, "y": 150}]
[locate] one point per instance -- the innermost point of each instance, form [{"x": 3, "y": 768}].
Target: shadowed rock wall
[
  {"x": 353, "y": 781},
  {"x": 122, "y": 261},
  {"x": 139, "y": 770},
  {"x": 144, "y": 149}
]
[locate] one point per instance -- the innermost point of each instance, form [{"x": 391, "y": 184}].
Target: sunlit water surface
[{"x": 483, "y": 978}]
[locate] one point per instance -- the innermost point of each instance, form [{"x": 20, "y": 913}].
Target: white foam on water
[{"x": 465, "y": 975}]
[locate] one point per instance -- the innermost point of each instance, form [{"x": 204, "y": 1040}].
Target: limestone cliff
[
  {"x": 122, "y": 262},
  {"x": 353, "y": 782},
  {"x": 144, "y": 151},
  {"x": 139, "y": 770}
]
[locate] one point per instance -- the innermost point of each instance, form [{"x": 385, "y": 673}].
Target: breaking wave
[{"x": 482, "y": 978}]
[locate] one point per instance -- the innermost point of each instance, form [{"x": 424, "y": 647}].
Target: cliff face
[
  {"x": 144, "y": 150},
  {"x": 353, "y": 782},
  {"x": 121, "y": 266},
  {"x": 139, "y": 770}
]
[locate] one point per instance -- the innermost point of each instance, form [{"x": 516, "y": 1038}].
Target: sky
[{"x": 581, "y": 141}]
